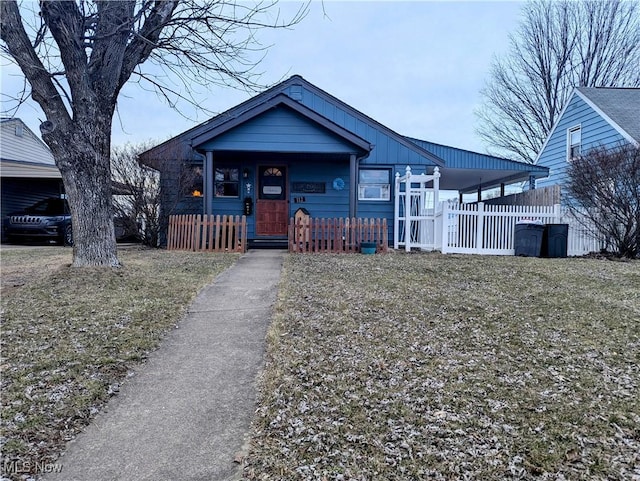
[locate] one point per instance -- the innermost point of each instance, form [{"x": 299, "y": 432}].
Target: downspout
[{"x": 353, "y": 185}]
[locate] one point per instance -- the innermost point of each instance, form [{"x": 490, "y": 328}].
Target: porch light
[
  {"x": 196, "y": 193},
  {"x": 245, "y": 173}
]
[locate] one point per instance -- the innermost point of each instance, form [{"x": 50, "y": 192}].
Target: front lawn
[
  {"x": 71, "y": 336},
  {"x": 424, "y": 366}
]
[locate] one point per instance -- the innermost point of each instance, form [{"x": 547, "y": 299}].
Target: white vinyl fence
[
  {"x": 582, "y": 238},
  {"x": 422, "y": 222},
  {"x": 490, "y": 229}
]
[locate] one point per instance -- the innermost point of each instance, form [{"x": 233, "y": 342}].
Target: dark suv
[{"x": 47, "y": 219}]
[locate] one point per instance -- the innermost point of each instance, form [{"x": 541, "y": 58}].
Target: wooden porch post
[
  {"x": 353, "y": 186},
  {"x": 208, "y": 184}
]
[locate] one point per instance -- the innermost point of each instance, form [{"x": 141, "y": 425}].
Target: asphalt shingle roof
[{"x": 622, "y": 105}]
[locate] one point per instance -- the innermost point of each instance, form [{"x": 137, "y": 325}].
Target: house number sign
[
  {"x": 309, "y": 187},
  {"x": 272, "y": 190}
]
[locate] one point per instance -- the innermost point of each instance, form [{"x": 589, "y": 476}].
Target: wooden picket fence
[
  {"x": 207, "y": 233},
  {"x": 342, "y": 235}
]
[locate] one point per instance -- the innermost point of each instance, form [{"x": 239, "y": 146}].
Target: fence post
[
  {"x": 557, "y": 214},
  {"x": 479, "y": 227},
  {"x": 396, "y": 212},
  {"x": 385, "y": 235},
  {"x": 445, "y": 227},
  {"x": 436, "y": 187},
  {"x": 170, "y": 232},
  {"x": 407, "y": 211}
]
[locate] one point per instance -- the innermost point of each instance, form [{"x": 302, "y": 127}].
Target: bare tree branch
[
  {"x": 19, "y": 48},
  {"x": 559, "y": 45},
  {"x": 604, "y": 187},
  {"x": 77, "y": 56}
]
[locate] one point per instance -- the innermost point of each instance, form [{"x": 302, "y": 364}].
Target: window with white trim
[
  {"x": 374, "y": 184},
  {"x": 574, "y": 142}
]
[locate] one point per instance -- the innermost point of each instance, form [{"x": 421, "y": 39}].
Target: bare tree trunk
[{"x": 82, "y": 156}]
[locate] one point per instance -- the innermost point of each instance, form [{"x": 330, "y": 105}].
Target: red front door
[{"x": 272, "y": 207}]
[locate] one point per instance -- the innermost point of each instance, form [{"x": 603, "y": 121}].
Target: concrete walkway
[{"x": 187, "y": 412}]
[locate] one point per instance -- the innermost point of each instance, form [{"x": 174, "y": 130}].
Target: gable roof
[
  {"x": 618, "y": 106},
  {"x": 225, "y": 124},
  {"x": 19, "y": 143},
  {"x": 276, "y": 95}
]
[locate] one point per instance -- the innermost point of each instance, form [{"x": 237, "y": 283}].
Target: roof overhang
[
  {"x": 24, "y": 169},
  {"x": 471, "y": 180}
]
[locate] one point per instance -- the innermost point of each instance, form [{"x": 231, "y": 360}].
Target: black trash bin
[
  {"x": 554, "y": 240},
  {"x": 528, "y": 238}
]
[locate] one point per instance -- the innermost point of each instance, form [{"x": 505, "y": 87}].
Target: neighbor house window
[
  {"x": 374, "y": 184},
  {"x": 574, "y": 142},
  {"x": 227, "y": 182}
]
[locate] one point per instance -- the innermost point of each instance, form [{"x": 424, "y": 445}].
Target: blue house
[
  {"x": 593, "y": 117},
  {"x": 296, "y": 146}
]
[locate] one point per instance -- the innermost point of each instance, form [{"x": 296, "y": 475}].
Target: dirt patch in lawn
[
  {"x": 26, "y": 265},
  {"x": 70, "y": 337},
  {"x": 427, "y": 366}
]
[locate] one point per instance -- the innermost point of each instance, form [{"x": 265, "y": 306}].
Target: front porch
[{"x": 268, "y": 188}]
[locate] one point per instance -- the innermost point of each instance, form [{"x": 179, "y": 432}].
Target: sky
[{"x": 416, "y": 67}]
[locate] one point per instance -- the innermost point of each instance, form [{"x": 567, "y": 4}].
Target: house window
[
  {"x": 374, "y": 184},
  {"x": 193, "y": 182},
  {"x": 574, "y": 142},
  {"x": 227, "y": 182}
]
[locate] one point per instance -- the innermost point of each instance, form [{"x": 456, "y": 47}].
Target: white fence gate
[
  {"x": 416, "y": 205},
  {"x": 421, "y": 221}
]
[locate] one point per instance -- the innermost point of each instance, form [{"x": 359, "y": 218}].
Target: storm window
[
  {"x": 574, "y": 142},
  {"x": 374, "y": 184}
]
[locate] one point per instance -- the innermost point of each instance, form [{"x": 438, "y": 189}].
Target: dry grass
[
  {"x": 423, "y": 366},
  {"x": 71, "y": 336}
]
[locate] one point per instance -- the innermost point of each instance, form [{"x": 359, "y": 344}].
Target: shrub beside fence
[
  {"x": 342, "y": 235},
  {"x": 208, "y": 233}
]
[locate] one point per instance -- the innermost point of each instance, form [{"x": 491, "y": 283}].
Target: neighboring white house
[
  {"x": 27, "y": 169},
  {"x": 593, "y": 117}
]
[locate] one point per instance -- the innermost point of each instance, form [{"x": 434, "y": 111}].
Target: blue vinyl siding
[
  {"x": 279, "y": 130},
  {"x": 387, "y": 150},
  {"x": 333, "y": 203},
  {"x": 595, "y": 131}
]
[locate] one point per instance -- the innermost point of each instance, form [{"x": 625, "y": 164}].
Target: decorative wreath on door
[{"x": 338, "y": 183}]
